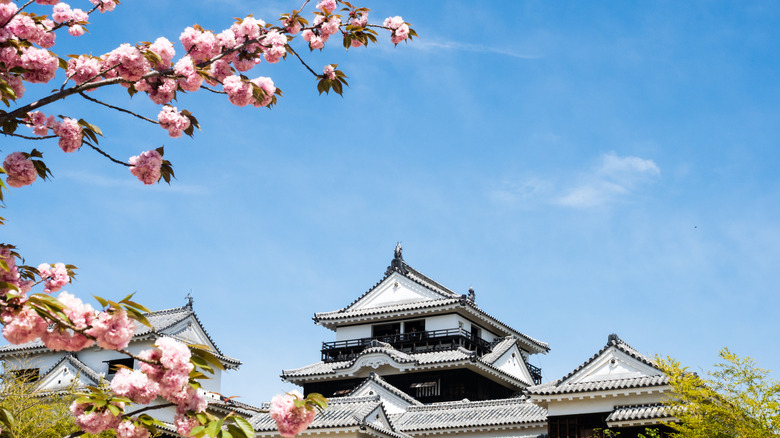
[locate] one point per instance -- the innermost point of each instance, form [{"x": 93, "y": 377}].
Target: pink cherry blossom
[
  {"x": 135, "y": 385},
  {"x": 247, "y": 29},
  {"x": 7, "y": 10},
  {"x": 84, "y": 68},
  {"x": 112, "y": 330},
  {"x": 128, "y": 429},
  {"x": 239, "y": 92},
  {"x": 330, "y": 5},
  {"x": 21, "y": 170},
  {"x": 41, "y": 65},
  {"x": 160, "y": 90},
  {"x": 184, "y": 423},
  {"x": 360, "y": 21},
  {"x": 191, "y": 80},
  {"x": 23, "y": 326},
  {"x": 130, "y": 63},
  {"x": 56, "y": 276},
  {"x": 70, "y": 133},
  {"x": 200, "y": 45},
  {"x": 290, "y": 419},
  {"x": 47, "y": 2},
  {"x": 329, "y": 71},
  {"x": 173, "y": 121},
  {"x": 164, "y": 49},
  {"x": 97, "y": 421},
  {"x": 146, "y": 167},
  {"x": 219, "y": 70},
  {"x": 104, "y": 5},
  {"x": 60, "y": 338},
  {"x": 13, "y": 81},
  {"x": 267, "y": 85}
]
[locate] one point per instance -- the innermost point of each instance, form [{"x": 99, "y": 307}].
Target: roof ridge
[{"x": 465, "y": 403}]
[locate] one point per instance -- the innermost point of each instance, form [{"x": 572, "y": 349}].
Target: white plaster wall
[
  {"x": 353, "y": 332},
  {"x": 43, "y": 362},
  {"x": 600, "y": 404},
  {"x": 441, "y": 322}
]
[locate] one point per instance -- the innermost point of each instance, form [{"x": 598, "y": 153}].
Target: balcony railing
[
  {"x": 414, "y": 342},
  {"x": 536, "y": 373}
]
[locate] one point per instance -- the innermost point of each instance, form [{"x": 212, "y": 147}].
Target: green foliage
[
  {"x": 29, "y": 413},
  {"x": 737, "y": 399}
]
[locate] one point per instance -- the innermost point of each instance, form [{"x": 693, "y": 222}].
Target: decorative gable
[
  {"x": 190, "y": 331},
  {"x": 613, "y": 364},
  {"x": 512, "y": 363},
  {"x": 378, "y": 418},
  {"x": 393, "y": 399},
  {"x": 396, "y": 289},
  {"x": 67, "y": 373}
]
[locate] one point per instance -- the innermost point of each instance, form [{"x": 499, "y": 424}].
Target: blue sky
[{"x": 588, "y": 168}]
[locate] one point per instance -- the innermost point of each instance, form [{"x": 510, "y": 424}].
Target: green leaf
[
  {"x": 245, "y": 427},
  {"x": 102, "y": 302}
]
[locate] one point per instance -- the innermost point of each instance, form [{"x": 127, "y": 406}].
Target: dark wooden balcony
[{"x": 414, "y": 342}]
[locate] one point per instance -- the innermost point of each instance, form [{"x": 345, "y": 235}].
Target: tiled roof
[
  {"x": 459, "y": 354},
  {"x": 79, "y": 365},
  {"x": 614, "y": 341},
  {"x": 429, "y": 304},
  {"x": 555, "y": 387},
  {"x": 161, "y": 320},
  {"x": 466, "y": 414},
  {"x": 341, "y": 412},
  {"x": 561, "y": 386},
  {"x": 638, "y": 412},
  {"x": 501, "y": 347}
]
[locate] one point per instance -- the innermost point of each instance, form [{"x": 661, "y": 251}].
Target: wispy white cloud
[
  {"x": 130, "y": 183},
  {"x": 466, "y": 47},
  {"x": 614, "y": 178}
]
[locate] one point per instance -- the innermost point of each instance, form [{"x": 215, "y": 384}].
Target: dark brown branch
[
  {"x": 92, "y": 99},
  {"x": 27, "y": 137},
  {"x": 302, "y": 61},
  {"x": 149, "y": 408},
  {"x": 103, "y": 153},
  {"x": 203, "y": 87}
]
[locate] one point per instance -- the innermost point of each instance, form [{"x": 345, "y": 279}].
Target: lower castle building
[{"x": 413, "y": 359}]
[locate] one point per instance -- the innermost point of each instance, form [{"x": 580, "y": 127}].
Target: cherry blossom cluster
[
  {"x": 218, "y": 59},
  {"x": 291, "y": 419},
  {"x": 20, "y": 170}
]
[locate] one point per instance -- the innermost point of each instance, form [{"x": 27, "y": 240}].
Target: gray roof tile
[
  {"x": 639, "y": 412},
  {"x": 341, "y": 412},
  {"x": 553, "y": 388},
  {"x": 464, "y": 414}
]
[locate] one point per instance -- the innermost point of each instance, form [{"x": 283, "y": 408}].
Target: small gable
[
  {"x": 512, "y": 363},
  {"x": 613, "y": 364},
  {"x": 66, "y": 374},
  {"x": 396, "y": 289},
  {"x": 378, "y": 418},
  {"x": 393, "y": 399}
]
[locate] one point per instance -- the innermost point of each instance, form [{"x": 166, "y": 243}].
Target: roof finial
[
  {"x": 189, "y": 300},
  {"x": 397, "y": 264},
  {"x": 613, "y": 337},
  {"x": 472, "y": 294}
]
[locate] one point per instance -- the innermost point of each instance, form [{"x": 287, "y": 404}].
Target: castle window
[
  {"x": 27, "y": 374},
  {"x": 115, "y": 364},
  {"x": 414, "y": 326},
  {"x": 386, "y": 330},
  {"x": 429, "y": 388}
]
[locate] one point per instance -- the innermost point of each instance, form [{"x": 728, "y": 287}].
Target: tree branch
[
  {"x": 92, "y": 99},
  {"x": 302, "y": 61},
  {"x": 103, "y": 153},
  {"x": 149, "y": 408},
  {"x": 27, "y": 137}
]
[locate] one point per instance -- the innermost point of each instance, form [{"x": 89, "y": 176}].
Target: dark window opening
[
  {"x": 414, "y": 326},
  {"x": 386, "y": 330},
  {"x": 476, "y": 332},
  {"x": 27, "y": 374},
  {"x": 115, "y": 365}
]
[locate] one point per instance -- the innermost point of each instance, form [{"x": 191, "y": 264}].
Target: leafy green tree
[
  {"x": 738, "y": 399},
  {"x": 36, "y": 414}
]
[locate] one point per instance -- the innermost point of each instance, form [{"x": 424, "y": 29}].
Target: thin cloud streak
[{"x": 466, "y": 47}]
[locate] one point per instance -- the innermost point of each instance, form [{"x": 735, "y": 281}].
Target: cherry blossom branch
[
  {"x": 66, "y": 23},
  {"x": 103, "y": 153},
  {"x": 302, "y": 61},
  {"x": 149, "y": 408},
  {"x": 92, "y": 99},
  {"x": 27, "y": 137},
  {"x": 203, "y": 87}
]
